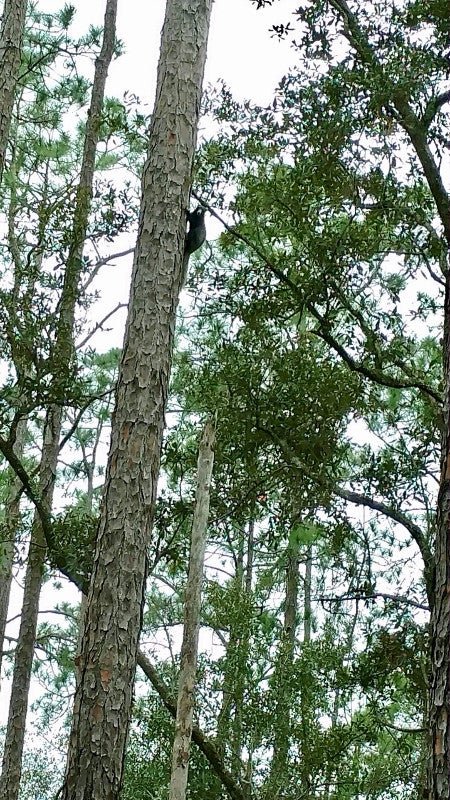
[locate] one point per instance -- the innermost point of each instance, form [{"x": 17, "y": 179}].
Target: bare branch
[
  {"x": 203, "y": 742},
  {"x": 101, "y": 263},
  {"x": 361, "y": 596},
  {"x": 99, "y": 325},
  {"x": 433, "y": 107}
]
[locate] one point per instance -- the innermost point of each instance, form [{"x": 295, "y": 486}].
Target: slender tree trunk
[
  {"x": 283, "y": 678},
  {"x": 113, "y": 618},
  {"x": 9, "y": 530},
  {"x": 192, "y": 603},
  {"x": 207, "y": 747},
  {"x": 230, "y": 718},
  {"x": 307, "y": 612},
  {"x": 11, "y": 38},
  {"x": 15, "y": 732},
  {"x": 12, "y": 758}
]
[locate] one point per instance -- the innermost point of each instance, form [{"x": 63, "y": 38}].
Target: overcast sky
[{"x": 241, "y": 49}]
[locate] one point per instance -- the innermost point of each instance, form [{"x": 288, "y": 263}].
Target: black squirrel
[{"x": 196, "y": 234}]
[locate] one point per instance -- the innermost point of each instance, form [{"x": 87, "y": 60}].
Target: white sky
[{"x": 241, "y": 51}]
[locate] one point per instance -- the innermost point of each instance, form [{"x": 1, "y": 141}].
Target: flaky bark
[
  {"x": 8, "y": 535},
  {"x": 114, "y": 611},
  {"x": 439, "y": 695},
  {"x": 192, "y": 603},
  {"x": 11, "y": 38}
]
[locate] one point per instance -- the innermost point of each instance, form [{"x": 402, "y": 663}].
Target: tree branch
[
  {"x": 397, "y": 516},
  {"x": 433, "y": 107},
  {"x": 415, "y": 128},
  {"x": 99, "y": 325},
  {"x": 377, "y": 376},
  {"x": 361, "y": 596},
  {"x": 44, "y": 517},
  {"x": 363, "y": 500}
]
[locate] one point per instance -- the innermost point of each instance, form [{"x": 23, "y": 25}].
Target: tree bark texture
[
  {"x": 439, "y": 694},
  {"x": 113, "y": 616},
  {"x": 11, "y": 38},
  {"x": 12, "y": 758},
  {"x": 8, "y": 535},
  {"x": 192, "y": 604},
  {"x": 23, "y": 662}
]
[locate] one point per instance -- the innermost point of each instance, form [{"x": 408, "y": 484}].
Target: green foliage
[
  {"x": 313, "y": 335},
  {"x": 75, "y": 532}
]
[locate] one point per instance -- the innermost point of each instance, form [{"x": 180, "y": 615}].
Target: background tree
[{"x": 11, "y": 38}]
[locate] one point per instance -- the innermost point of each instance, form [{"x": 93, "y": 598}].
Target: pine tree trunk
[
  {"x": 439, "y": 694},
  {"x": 18, "y": 705},
  {"x": 192, "y": 603},
  {"x": 9, "y": 530},
  {"x": 113, "y": 618},
  {"x": 11, "y": 38},
  {"x": 15, "y": 732}
]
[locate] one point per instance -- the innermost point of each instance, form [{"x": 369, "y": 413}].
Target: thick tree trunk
[
  {"x": 192, "y": 604},
  {"x": 12, "y": 758},
  {"x": 439, "y": 695},
  {"x": 114, "y": 611},
  {"x": 11, "y": 37}
]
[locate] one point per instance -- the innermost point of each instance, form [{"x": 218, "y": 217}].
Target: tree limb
[
  {"x": 377, "y": 376},
  {"x": 383, "y": 508},
  {"x": 393, "y": 513},
  {"x": 361, "y": 596},
  {"x": 415, "y": 128},
  {"x": 433, "y": 107}
]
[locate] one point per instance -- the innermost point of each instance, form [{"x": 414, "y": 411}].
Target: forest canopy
[{"x": 312, "y": 335}]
